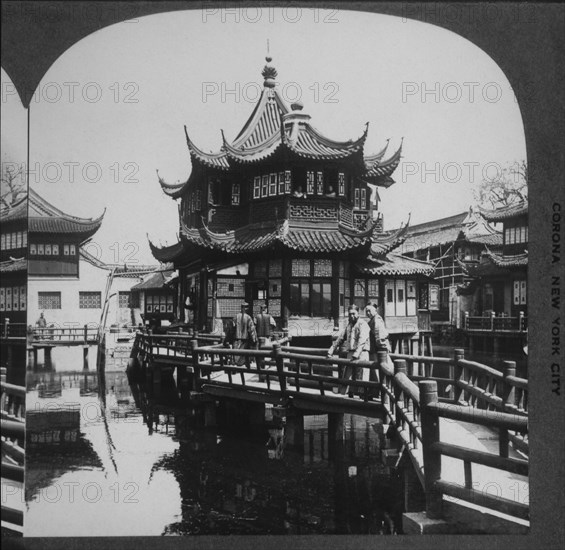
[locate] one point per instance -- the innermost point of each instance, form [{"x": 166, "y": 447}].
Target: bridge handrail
[{"x": 431, "y": 411}]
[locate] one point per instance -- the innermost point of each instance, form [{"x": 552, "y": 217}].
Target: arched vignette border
[{"x": 527, "y": 42}]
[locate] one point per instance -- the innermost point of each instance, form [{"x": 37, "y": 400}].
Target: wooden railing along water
[{"x": 413, "y": 392}]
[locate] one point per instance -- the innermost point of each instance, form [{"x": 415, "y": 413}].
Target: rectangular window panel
[
  {"x": 373, "y": 290},
  {"x": 320, "y": 183},
  {"x": 19, "y": 239},
  {"x": 16, "y": 298},
  {"x": 310, "y": 182},
  {"x": 55, "y": 249},
  {"x": 522, "y": 292},
  {"x": 506, "y": 235},
  {"x": 516, "y": 293},
  {"x": 89, "y": 300},
  {"x": 300, "y": 268},
  {"x": 323, "y": 268},
  {"x": 48, "y": 250},
  {"x": 72, "y": 250},
  {"x": 272, "y": 184},
  {"x": 260, "y": 269},
  {"x": 341, "y": 184},
  {"x": 265, "y": 186},
  {"x": 23, "y": 298},
  {"x": 124, "y": 300},
  {"x": 256, "y": 187},
  {"x": 295, "y": 300},
  {"x": 275, "y": 268},
  {"x": 49, "y": 300},
  {"x": 24, "y": 239},
  {"x": 359, "y": 288},
  {"x": 235, "y": 194},
  {"x": 287, "y": 181},
  {"x": 65, "y": 250},
  {"x": 526, "y": 234},
  {"x": 32, "y": 249},
  {"x": 9, "y": 299},
  {"x": 321, "y": 299},
  {"x": 2, "y": 299},
  {"x": 356, "y": 201},
  {"x": 198, "y": 200},
  {"x": 281, "y": 183},
  {"x": 275, "y": 288},
  {"x": 305, "y": 299},
  {"x": 41, "y": 249},
  {"x": 363, "y": 199}
]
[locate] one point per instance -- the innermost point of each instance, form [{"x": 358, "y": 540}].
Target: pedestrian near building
[
  {"x": 245, "y": 334},
  {"x": 378, "y": 336},
  {"x": 354, "y": 341},
  {"x": 265, "y": 323}
]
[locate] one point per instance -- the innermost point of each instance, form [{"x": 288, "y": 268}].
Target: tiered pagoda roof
[
  {"x": 468, "y": 226},
  {"x": 271, "y": 127},
  {"x": 492, "y": 264},
  {"x": 394, "y": 265},
  {"x": 46, "y": 218},
  {"x": 310, "y": 237},
  {"x": 505, "y": 212}
]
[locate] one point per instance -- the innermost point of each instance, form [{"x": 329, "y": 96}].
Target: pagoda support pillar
[
  {"x": 335, "y": 292},
  {"x": 203, "y": 300}
]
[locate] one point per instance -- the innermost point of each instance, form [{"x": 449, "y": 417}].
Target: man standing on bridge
[
  {"x": 245, "y": 334},
  {"x": 355, "y": 340},
  {"x": 378, "y": 336}
]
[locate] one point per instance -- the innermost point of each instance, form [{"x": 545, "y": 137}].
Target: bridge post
[
  {"x": 432, "y": 459},
  {"x": 458, "y": 354},
  {"x": 6, "y": 327},
  {"x": 47, "y": 357},
  {"x": 280, "y": 365},
  {"x": 195, "y": 366},
  {"x": 85, "y": 357},
  {"x": 382, "y": 359},
  {"x": 508, "y": 405},
  {"x": 335, "y": 435},
  {"x": 399, "y": 367},
  {"x": 86, "y": 334}
]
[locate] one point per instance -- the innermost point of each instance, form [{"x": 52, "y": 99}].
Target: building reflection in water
[{"x": 200, "y": 473}]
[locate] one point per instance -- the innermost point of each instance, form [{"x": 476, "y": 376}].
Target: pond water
[{"x": 105, "y": 457}]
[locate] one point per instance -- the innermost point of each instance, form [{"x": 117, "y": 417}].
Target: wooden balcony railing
[{"x": 495, "y": 324}]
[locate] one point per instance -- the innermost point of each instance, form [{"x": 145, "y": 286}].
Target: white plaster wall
[{"x": 93, "y": 279}]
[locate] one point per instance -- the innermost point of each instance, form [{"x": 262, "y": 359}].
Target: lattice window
[
  {"x": 32, "y": 249},
  {"x": 3, "y": 241},
  {"x": 235, "y": 194},
  {"x": 41, "y": 249},
  {"x": 9, "y": 299},
  {"x": 231, "y": 287},
  {"x": 373, "y": 290},
  {"x": 72, "y": 250},
  {"x": 275, "y": 268},
  {"x": 16, "y": 298},
  {"x": 323, "y": 268},
  {"x": 275, "y": 287},
  {"x": 55, "y": 249},
  {"x": 287, "y": 181},
  {"x": 49, "y": 300},
  {"x": 275, "y": 308},
  {"x": 356, "y": 200},
  {"x": 310, "y": 182},
  {"x": 281, "y": 183},
  {"x": 363, "y": 199},
  {"x": 2, "y": 299},
  {"x": 260, "y": 269},
  {"x": 48, "y": 250},
  {"x": 300, "y": 268},
  {"x": 265, "y": 186},
  {"x": 257, "y": 187},
  {"x": 19, "y": 239},
  {"x": 229, "y": 307},
  {"x": 198, "y": 200},
  {"x": 156, "y": 303},
  {"x": 341, "y": 184},
  {"x": 89, "y": 300},
  {"x": 124, "y": 300},
  {"x": 272, "y": 184},
  {"x": 320, "y": 183}
]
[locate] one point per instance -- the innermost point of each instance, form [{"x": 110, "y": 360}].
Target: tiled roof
[
  {"x": 13, "y": 265},
  {"x": 273, "y": 125},
  {"x": 16, "y": 211},
  {"x": 175, "y": 190},
  {"x": 157, "y": 279},
  {"x": 518, "y": 260},
  {"x": 505, "y": 213},
  {"x": 496, "y": 264},
  {"x": 46, "y": 218},
  {"x": 394, "y": 264},
  {"x": 309, "y": 237},
  {"x": 467, "y": 226}
]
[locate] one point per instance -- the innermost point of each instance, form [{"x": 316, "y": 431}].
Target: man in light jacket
[{"x": 355, "y": 341}]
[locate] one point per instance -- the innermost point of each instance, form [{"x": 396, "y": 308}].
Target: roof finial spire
[{"x": 269, "y": 73}]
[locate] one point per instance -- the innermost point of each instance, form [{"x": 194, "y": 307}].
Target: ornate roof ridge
[
  {"x": 370, "y": 160},
  {"x": 16, "y": 210},
  {"x": 172, "y": 190},
  {"x": 53, "y": 212},
  {"x": 504, "y": 212},
  {"x": 213, "y": 160}
]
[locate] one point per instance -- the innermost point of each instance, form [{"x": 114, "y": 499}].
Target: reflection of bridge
[{"x": 460, "y": 424}]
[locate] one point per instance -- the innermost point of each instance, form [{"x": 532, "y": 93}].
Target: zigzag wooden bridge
[{"x": 459, "y": 427}]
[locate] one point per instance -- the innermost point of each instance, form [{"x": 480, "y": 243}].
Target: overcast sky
[{"x": 112, "y": 109}]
